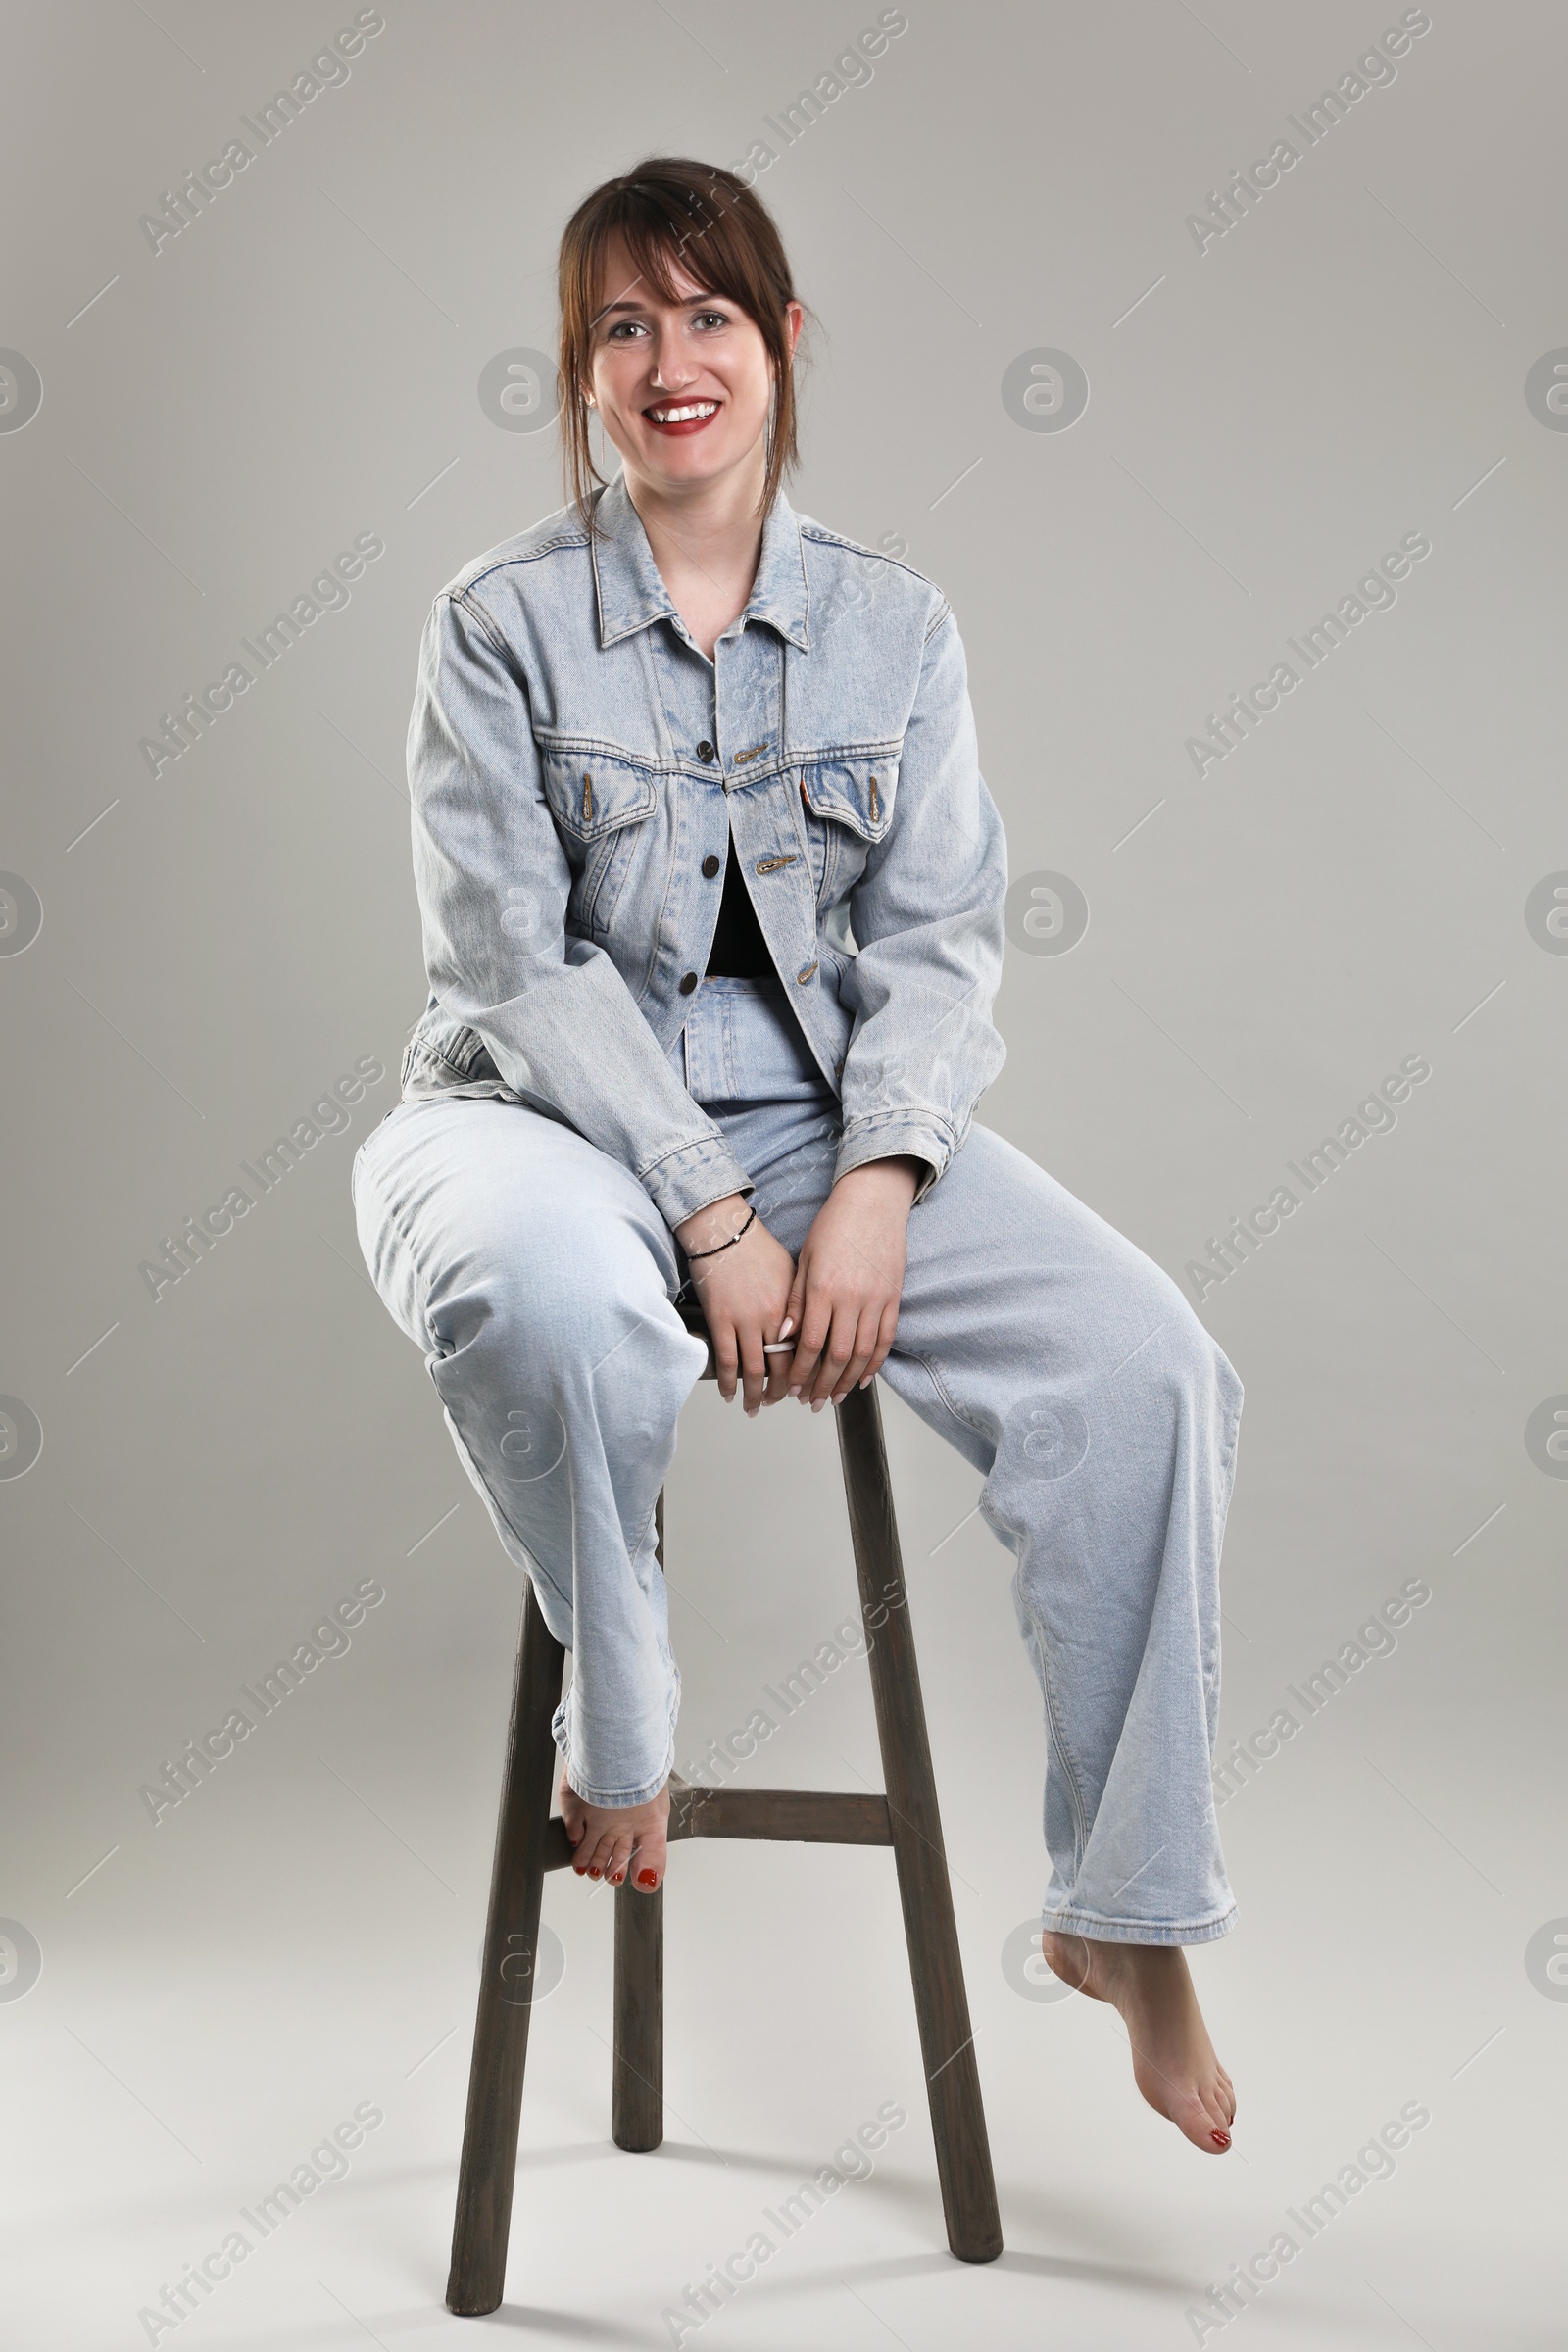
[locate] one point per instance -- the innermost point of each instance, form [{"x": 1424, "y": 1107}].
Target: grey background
[{"x": 1347, "y": 889}]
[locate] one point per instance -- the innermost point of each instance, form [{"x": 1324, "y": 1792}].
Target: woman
[{"x": 637, "y": 1084}]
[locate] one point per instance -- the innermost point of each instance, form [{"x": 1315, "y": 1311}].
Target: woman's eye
[
  {"x": 711, "y": 318},
  {"x": 622, "y": 328}
]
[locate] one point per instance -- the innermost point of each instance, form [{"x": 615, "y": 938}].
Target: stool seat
[{"x": 530, "y": 1841}]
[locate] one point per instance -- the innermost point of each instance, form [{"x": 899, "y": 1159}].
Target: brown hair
[{"x": 670, "y": 210}]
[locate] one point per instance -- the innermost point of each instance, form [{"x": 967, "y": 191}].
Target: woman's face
[{"x": 683, "y": 387}]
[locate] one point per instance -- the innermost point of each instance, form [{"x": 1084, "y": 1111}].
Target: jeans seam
[
  {"x": 540, "y": 1573},
  {"x": 943, "y": 1392},
  {"x": 1058, "y": 1742},
  {"x": 642, "y": 1533},
  {"x": 1052, "y": 1712}
]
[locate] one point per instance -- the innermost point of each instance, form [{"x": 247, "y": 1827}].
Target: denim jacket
[{"x": 577, "y": 767}]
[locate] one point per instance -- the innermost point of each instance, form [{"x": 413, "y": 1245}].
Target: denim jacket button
[
  {"x": 804, "y": 976},
  {"x": 688, "y": 983},
  {"x": 704, "y": 749},
  {"x": 710, "y": 865}
]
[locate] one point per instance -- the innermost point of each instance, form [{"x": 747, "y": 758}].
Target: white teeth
[{"x": 696, "y": 408}]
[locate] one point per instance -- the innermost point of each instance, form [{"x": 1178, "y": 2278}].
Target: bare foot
[
  {"x": 610, "y": 1839},
  {"x": 1173, "y": 2059}
]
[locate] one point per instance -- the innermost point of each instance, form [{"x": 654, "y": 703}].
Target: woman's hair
[{"x": 670, "y": 210}]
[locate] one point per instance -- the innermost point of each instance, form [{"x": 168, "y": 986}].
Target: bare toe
[
  {"x": 609, "y": 1841},
  {"x": 1173, "y": 2059},
  {"x": 648, "y": 1859}
]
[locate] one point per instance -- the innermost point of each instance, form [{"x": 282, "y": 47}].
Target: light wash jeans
[{"x": 538, "y": 1278}]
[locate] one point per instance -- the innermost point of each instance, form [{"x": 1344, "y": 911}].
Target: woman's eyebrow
[{"x": 685, "y": 303}]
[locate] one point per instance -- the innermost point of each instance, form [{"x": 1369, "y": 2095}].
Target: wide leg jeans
[{"x": 539, "y": 1281}]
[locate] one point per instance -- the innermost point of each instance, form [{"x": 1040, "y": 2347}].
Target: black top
[{"x": 739, "y": 949}]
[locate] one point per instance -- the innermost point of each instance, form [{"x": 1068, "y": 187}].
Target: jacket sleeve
[
  {"x": 928, "y": 918},
  {"x": 493, "y": 880}
]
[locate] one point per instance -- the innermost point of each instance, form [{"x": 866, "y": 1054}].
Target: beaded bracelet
[{"x": 729, "y": 1245}]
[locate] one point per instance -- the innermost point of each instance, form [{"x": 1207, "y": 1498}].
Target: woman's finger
[
  {"x": 780, "y": 1372},
  {"x": 866, "y": 1337},
  {"x": 726, "y": 1355},
  {"x": 781, "y": 1367},
  {"x": 816, "y": 1320},
  {"x": 754, "y": 1368},
  {"x": 836, "y": 1355},
  {"x": 886, "y": 1333}
]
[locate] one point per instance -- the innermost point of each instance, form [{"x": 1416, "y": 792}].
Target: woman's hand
[
  {"x": 742, "y": 1292},
  {"x": 844, "y": 1302}
]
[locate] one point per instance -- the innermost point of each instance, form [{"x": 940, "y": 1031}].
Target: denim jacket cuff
[
  {"x": 888, "y": 1134},
  {"x": 693, "y": 1177}
]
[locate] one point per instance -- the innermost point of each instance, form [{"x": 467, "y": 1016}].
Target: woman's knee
[
  {"x": 503, "y": 1213},
  {"x": 1155, "y": 1355},
  {"x": 532, "y": 1346},
  {"x": 1182, "y": 1369},
  {"x": 569, "y": 1323},
  {"x": 554, "y": 1291}
]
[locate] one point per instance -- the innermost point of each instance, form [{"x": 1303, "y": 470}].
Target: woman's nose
[{"x": 671, "y": 371}]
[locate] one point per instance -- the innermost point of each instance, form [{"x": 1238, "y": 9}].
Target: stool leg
[
  {"x": 639, "y": 2071},
  {"x": 942, "y": 2008},
  {"x": 639, "y": 2093},
  {"x": 489, "y": 2164}
]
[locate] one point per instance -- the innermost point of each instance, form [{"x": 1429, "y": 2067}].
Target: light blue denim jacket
[{"x": 574, "y": 763}]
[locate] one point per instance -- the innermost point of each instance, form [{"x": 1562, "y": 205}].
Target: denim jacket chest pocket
[
  {"x": 598, "y": 803},
  {"x": 848, "y": 804}
]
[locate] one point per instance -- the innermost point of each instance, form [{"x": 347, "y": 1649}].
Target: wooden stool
[{"x": 529, "y": 1842}]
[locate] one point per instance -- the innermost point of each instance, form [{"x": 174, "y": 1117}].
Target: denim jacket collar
[{"x": 632, "y": 594}]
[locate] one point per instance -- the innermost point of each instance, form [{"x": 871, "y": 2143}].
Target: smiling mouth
[{"x": 688, "y": 416}]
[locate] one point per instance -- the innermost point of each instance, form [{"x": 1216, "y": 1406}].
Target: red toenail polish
[
  {"x": 1221, "y": 2139},
  {"x": 648, "y": 1878},
  {"x": 593, "y": 1874}
]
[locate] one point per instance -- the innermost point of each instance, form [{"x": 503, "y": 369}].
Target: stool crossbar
[{"x": 529, "y": 1842}]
